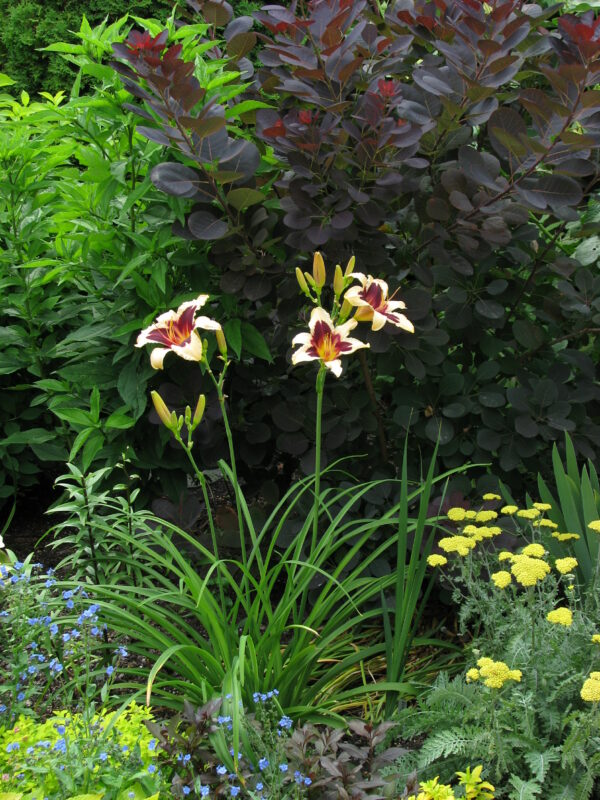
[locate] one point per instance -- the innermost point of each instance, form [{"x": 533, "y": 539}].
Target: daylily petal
[
  {"x": 392, "y": 305},
  {"x": 196, "y": 304},
  {"x": 379, "y": 321},
  {"x": 335, "y": 366},
  {"x": 350, "y": 345},
  {"x": 353, "y": 296},
  {"x": 364, "y": 313},
  {"x": 168, "y": 316},
  {"x": 303, "y": 355},
  {"x": 319, "y": 315},
  {"x": 301, "y": 338},
  {"x": 192, "y": 350},
  {"x": 157, "y": 356},
  {"x": 207, "y": 324},
  {"x": 345, "y": 329}
]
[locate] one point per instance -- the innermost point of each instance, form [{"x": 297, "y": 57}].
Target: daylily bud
[
  {"x": 310, "y": 280},
  {"x": 350, "y": 266},
  {"x": 199, "y": 412},
  {"x": 165, "y": 416},
  {"x": 338, "y": 281},
  {"x": 188, "y": 416},
  {"x": 221, "y": 342},
  {"x": 319, "y": 273},
  {"x": 301, "y": 281}
]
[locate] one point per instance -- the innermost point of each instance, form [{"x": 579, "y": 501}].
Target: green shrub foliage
[
  {"x": 452, "y": 145},
  {"x": 28, "y": 25}
]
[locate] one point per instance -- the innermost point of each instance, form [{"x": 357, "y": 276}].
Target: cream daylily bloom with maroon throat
[
  {"x": 176, "y": 332},
  {"x": 371, "y": 300},
  {"x": 325, "y": 342}
]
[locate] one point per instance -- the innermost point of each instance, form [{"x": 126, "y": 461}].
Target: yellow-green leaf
[{"x": 242, "y": 198}]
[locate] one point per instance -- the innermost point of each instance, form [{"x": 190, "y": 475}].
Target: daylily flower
[
  {"x": 371, "y": 300},
  {"x": 176, "y": 331},
  {"x": 325, "y": 342}
]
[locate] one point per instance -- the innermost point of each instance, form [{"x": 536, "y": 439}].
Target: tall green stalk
[
  {"x": 320, "y": 386},
  {"x": 211, "y": 522},
  {"x": 218, "y": 384}
]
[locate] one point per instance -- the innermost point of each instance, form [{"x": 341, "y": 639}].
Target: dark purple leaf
[
  {"x": 175, "y": 179},
  {"x": 206, "y": 226},
  {"x": 483, "y": 168}
]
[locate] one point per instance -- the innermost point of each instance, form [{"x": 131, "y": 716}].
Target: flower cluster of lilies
[{"x": 328, "y": 337}]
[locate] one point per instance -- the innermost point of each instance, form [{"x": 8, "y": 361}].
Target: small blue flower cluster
[
  {"x": 42, "y": 639},
  {"x": 301, "y": 779},
  {"x": 262, "y": 697},
  {"x": 234, "y": 790}
]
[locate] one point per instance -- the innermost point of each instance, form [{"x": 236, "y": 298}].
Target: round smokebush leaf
[
  {"x": 206, "y": 226},
  {"x": 526, "y": 426},
  {"x": 488, "y": 440},
  {"x": 439, "y": 429}
]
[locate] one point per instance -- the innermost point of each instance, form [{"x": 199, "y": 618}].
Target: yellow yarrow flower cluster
[
  {"x": 546, "y": 523},
  {"x": 529, "y": 513},
  {"x": 509, "y": 509},
  {"x": 501, "y": 579},
  {"x": 566, "y": 565},
  {"x": 437, "y": 560},
  {"x": 542, "y": 506},
  {"x": 560, "y": 616},
  {"x": 528, "y": 571},
  {"x": 493, "y": 673},
  {"x": 590, "y": 691},
  {"x": 565, "y": 537},
  {"x": 457, "y": 544},
  {"x": 595, "y": 525},
  {"x": 505, "y": 555},
  {"x": 596, "y": 638},
  {"x": 491, "y": 496},
  {"x": 456, "y": 514},
  {"x": 485, "y": 516},
  {"x": 534, "y": 550}
]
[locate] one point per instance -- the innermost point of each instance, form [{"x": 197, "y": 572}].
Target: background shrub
[
  {"x": 29, "y": 25},
  {"x": 380, "y": 142},
  {"x": 476, "y": 197}
]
